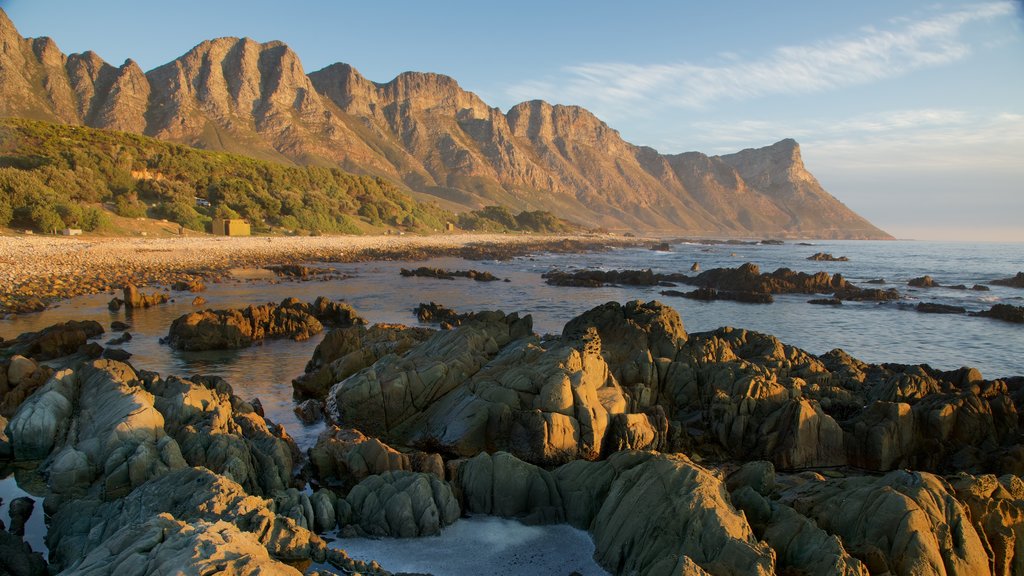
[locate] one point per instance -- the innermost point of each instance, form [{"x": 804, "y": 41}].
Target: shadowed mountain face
[{"x": 425, "y": 131}]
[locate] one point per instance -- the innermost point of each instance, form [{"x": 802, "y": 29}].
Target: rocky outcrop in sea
[{"x": 721, "y": 452}]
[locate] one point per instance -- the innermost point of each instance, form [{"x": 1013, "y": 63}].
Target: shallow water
[
  {"x": 483, "y": 545},
  {"x": 872, "y": 332}
]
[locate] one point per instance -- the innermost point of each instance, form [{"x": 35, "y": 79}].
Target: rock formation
[
  {"x": 425, "y": 132},
  {"x": 228, "y": 329}
]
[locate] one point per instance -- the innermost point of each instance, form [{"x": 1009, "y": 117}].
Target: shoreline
[{"x": 37, "y": 271}]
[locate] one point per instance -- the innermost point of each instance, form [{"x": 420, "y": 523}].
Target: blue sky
[{"x": 912, "y": 113}]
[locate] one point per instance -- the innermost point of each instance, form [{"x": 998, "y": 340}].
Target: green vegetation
[
  {"x": 499, "y": 219},
  {"x": 55, "y": 176}
]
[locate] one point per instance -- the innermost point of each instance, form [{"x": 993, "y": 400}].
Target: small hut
[{"x": 230, "y": 227}]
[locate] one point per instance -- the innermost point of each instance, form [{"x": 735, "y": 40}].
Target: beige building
[{"x": 230, "y": 227}]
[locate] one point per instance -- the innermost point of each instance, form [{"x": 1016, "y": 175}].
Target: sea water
[{"x": 872, "y": 332}]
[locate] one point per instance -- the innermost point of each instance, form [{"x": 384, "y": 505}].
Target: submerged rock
[
  {"x": 1004, "y": 312},
  {"x": 1013, "y": 282}
]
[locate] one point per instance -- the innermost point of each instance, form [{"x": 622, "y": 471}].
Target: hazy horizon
[{"x": 910, "y": 114}]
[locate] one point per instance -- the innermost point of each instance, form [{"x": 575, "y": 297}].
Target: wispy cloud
[
  {"x": 870, "y": 55},
  {"x": 934, "y": 139}
]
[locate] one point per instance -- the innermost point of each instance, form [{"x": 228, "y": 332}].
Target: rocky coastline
[
  {"x": 37, "y": 271},
  {"x": 722, "y": 452}
]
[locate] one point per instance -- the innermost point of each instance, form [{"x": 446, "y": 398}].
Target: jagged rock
[
  {"x": 502, "y": 485},
  {"x": 856, "y": 294},
  {"x": 800, "y": 546},
  {"x": 345, "y": 351},
  {"x": 923, "y": 282},
  {"x": 296, "y": 506},
  {"x": 54, "y": 341},
  {"x": 164, "y": 545},
  {"x": 199, "y": 301},
  {"x": 633, "y": 338},
  {"x": 402, "y": 504},
  {"x": 902, "y": 523},
  {"x": 226, "y": 329},
  {"x": 217, "y": 429},
  {"x": 1013, "y": 282},
  {"x": 104, "y": 425},
  {"x": 396, "y": 388},
  {"x": 664, "y": 509},
  {"x": 133, "y": 298},
  {"x": 343, "y": 457},
  {"x": 309, "y": 411},
  {"x": 748, "y": 278},
  {"x": 758, "y": 475},
  {"x": 190, "y": 495},
  {"x": 996, "y": 507}
]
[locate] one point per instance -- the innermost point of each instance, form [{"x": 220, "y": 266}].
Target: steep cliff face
[{"x": 423, "y": 130}]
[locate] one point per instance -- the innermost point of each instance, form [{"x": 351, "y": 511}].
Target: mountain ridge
[{"x": 425, "y": 132}]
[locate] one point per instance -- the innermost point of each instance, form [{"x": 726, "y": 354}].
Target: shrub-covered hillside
[{"x": 52, "y": 176}]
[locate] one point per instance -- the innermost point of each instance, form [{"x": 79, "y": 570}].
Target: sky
[{"x": 911, "y": 113}]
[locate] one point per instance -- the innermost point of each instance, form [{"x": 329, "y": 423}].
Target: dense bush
[
  {"x": 45, "y": 166},
  {"x": 499, "y": 219}
]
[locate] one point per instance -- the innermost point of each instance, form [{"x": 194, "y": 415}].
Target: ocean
[{"x": 872, "y": 332}]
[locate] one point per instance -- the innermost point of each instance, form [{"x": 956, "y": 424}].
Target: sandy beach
[{"x": 39, "y": 270}]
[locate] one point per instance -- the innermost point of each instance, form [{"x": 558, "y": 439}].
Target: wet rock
[
  {"x": 54, "y": 341},
  {"x": 199, "y": 301},
  {"x": 134, "y": 298},
  {"x": 296, "y": 270},
  {"x": 402, "y": 504},
  {"x": 826, "y": 257},
  {"x": 662, "y": 247},
  {"x": 980, "y": 288},
  {"x": 748, "y": 278},
  {"x": 20, "y": 510},
  {"x": 425, "y": 272},
  {"x": 118, "y": 326},
  {"x": 1013, "y": 282},
  {"x": 1004, "y": 312},
  {"x": 193, "y": 285},
  {"x": 118, "y": 354},
  {"x": 826, "y": 301},
  {"x": 710, "y": 294},
  {"x": 227, "y": 329},
  {"x": 309, "y": 411},
  {"x": 857, "y": 294},
  {"x": 876, "y": 281},
  {"x": 598, "y": 278},
  {"x": 125, "y": 337},
  {"x": 923, "y": 282},
  {"x": 936, "y": 308}
]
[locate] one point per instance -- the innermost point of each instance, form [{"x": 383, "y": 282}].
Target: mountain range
[{"x": 426, "y": 134}]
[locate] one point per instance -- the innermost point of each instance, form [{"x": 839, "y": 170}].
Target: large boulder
[
  {"x": 396, "y": 388},
  {"x": 904, "y": 523},
  {"x": 402, "y": 504},
  {"x": 343, "y": 457},
  {"x": 502, "y": 485},
  {"x": 228, "y": 329},
  {"x": 345, "y": 351},
  {"x": 188, "y": 495},
  {"x": 53, "y": 341},
  {"x": 666, "y": 511}
]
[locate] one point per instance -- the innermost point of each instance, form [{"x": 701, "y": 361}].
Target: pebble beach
[{"x": 36, "y": 271}]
